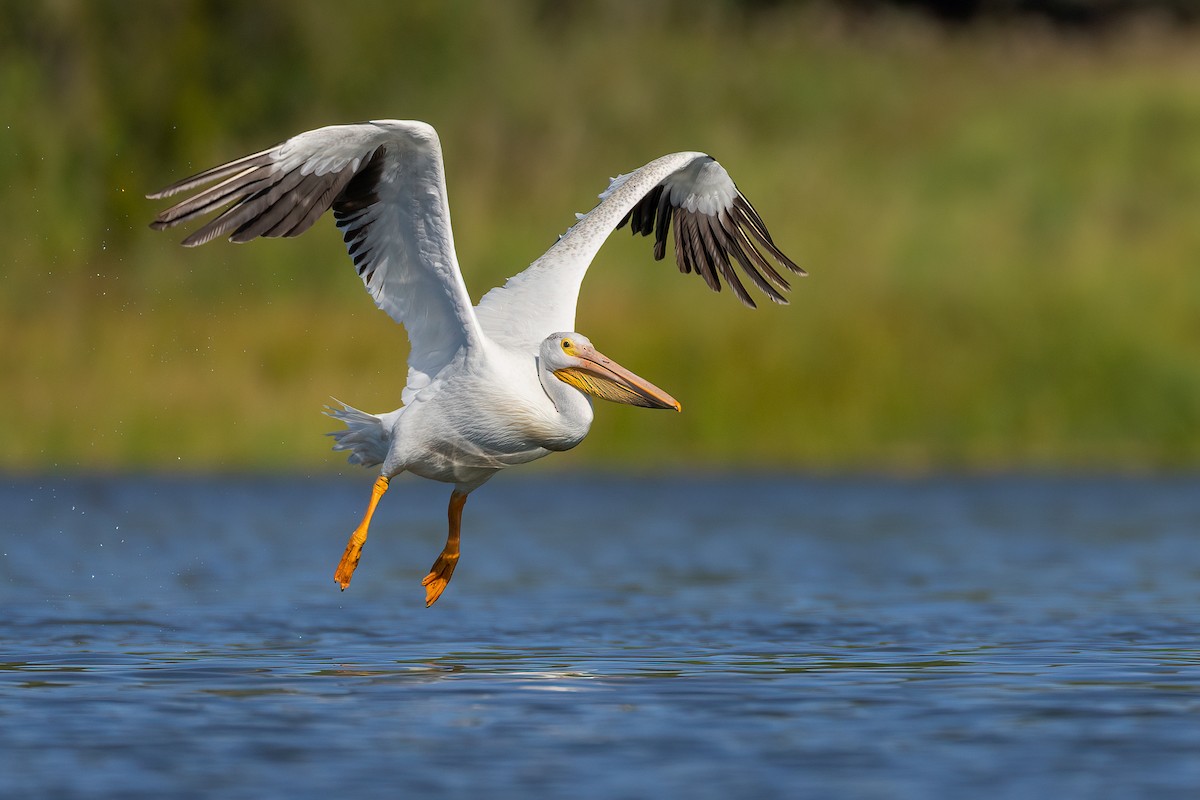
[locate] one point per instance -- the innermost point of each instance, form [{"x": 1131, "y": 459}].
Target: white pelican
[{"x": 503, "y": 382}]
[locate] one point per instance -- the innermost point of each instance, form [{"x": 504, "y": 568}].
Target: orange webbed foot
[
  {"x": 443, "y": 569},
  {"x": 439, "y": 577},
  {"x": 349, "y": 562}
]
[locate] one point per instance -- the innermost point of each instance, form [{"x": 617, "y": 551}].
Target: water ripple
[{"x": 854, "y": 638}]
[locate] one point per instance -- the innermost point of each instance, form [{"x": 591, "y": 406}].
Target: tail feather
[{"x": 365, "y": 436}]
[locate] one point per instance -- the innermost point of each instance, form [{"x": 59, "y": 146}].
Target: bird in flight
[{"x": 491, "y": 385}]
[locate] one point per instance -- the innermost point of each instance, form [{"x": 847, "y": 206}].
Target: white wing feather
[
  {"x": 715, "y": 227},
  {"x": 385, "y": 182},
  {"x": 541, "y": 300}
]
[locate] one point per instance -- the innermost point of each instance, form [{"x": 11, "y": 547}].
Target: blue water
[{"x": 721, "y": 637}]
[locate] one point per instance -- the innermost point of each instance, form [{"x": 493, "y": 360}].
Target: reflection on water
[{"x": 708, "y": 637}]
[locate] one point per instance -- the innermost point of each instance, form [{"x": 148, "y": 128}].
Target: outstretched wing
[
  {"x": 716, "y": 231},
  {"x": 385, "y": 182}
]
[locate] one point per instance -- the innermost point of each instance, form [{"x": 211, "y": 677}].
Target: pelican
[{"x": 491, "y": 385}]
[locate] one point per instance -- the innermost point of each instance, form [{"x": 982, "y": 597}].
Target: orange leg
[
  {"x": 345, "y": 567},
  {"x": 442, "y": 570}
]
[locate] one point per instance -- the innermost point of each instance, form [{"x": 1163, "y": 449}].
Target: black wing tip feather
[
  {"x": 710, "y": 246},
  {"x": 260, "y": 199},
  {"x": 214, "y": 173}
]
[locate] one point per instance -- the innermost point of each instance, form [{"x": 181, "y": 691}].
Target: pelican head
[{"x": 572, "y": 359}]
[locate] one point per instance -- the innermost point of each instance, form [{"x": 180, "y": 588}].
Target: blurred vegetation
[
  {"x": 1073, "y": 14},
  {"x": 999, "y": 222}
]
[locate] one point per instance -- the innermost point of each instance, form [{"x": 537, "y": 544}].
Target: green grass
[{"x": 999, "y": 225}]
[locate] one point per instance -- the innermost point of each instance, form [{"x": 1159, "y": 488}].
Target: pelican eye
[{"x": 566, "y": 343}]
